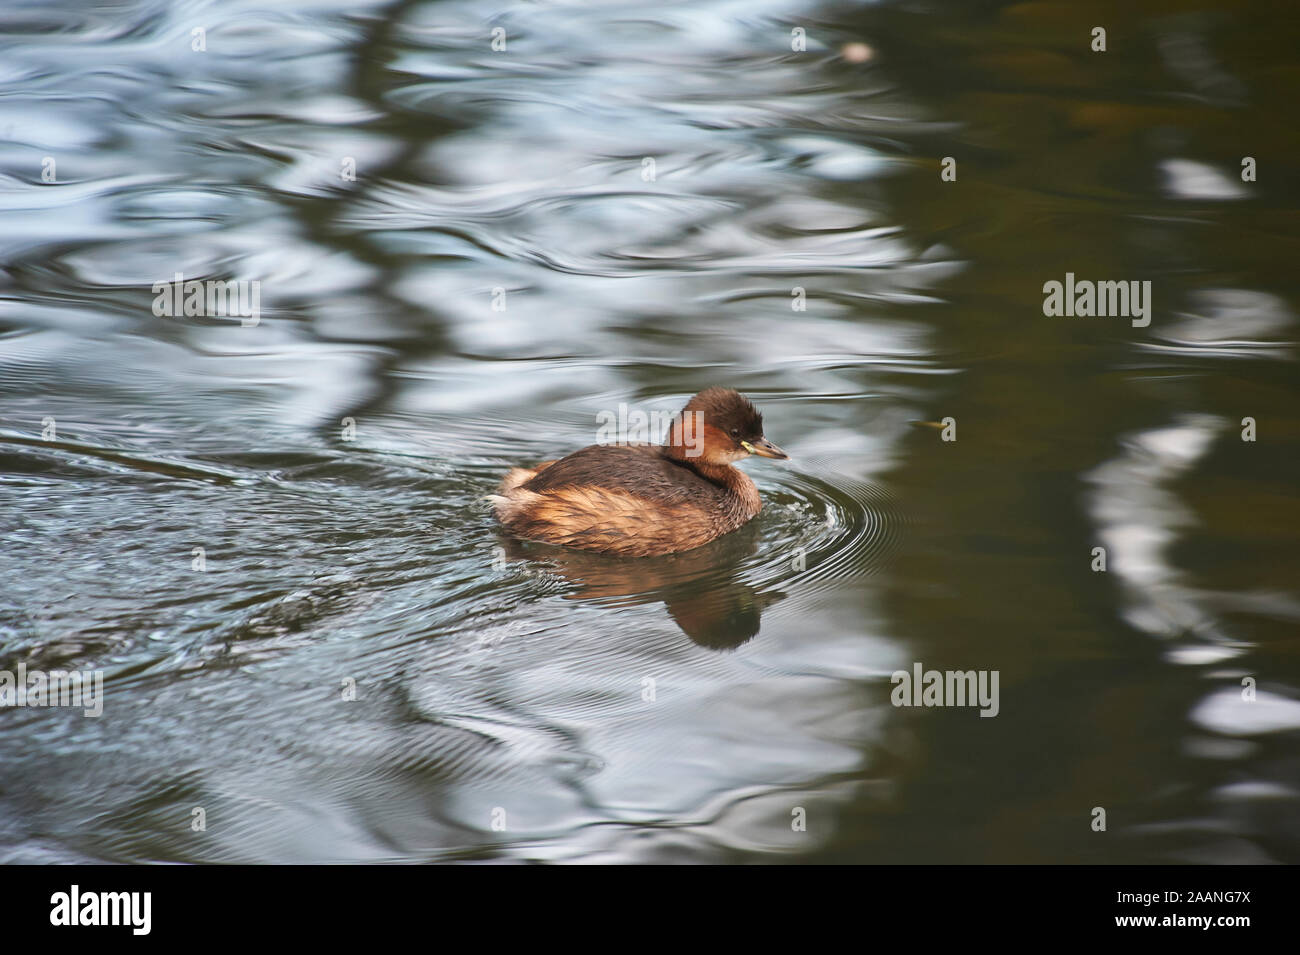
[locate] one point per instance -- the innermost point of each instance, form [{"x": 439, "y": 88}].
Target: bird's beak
[{"x": 764, "y": 449}]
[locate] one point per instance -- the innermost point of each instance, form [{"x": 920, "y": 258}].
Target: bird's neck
[{"x": 734, "y": 480}]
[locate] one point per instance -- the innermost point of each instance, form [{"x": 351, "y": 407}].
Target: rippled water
[{"x": 617, "y": 209}]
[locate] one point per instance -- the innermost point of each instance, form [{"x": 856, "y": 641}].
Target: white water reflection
[
  {"x": 1231, "y": 713},
  {"x": 1139, "y": 518},
  {"x": 1188, "y": 179},
  {"x": 1229, "y": 322}
]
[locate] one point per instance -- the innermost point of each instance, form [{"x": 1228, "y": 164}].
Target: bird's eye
[{"x": 735, "y": 432}]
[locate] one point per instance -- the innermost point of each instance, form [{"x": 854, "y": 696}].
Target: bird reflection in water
[{"x": 702, "y": 589}]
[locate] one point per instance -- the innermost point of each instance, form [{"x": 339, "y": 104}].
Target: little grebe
[{"x": 640, "y": 500}]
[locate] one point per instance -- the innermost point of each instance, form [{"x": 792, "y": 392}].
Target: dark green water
[{"x": 520, "y": 703}]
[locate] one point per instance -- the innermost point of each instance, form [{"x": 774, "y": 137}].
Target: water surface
[{"x": 366, "y": 669}]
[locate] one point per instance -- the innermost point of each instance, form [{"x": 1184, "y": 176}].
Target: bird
[{"x": 643, "y": 500}]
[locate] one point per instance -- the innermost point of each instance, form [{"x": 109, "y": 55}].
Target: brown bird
[{"x": 639, "y": 500}]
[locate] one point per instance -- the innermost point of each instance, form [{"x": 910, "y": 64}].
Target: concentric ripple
[{"x": 847, "y": 527}]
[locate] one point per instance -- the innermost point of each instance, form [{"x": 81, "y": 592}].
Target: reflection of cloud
[
  {"x": 1227, "y": 713},
  {"x": 1230, "y": 323},
  {"x": 1138, "y": 519},
  {"x": 1185, "y": 179},
  {"x": 829, "y": 158}
]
